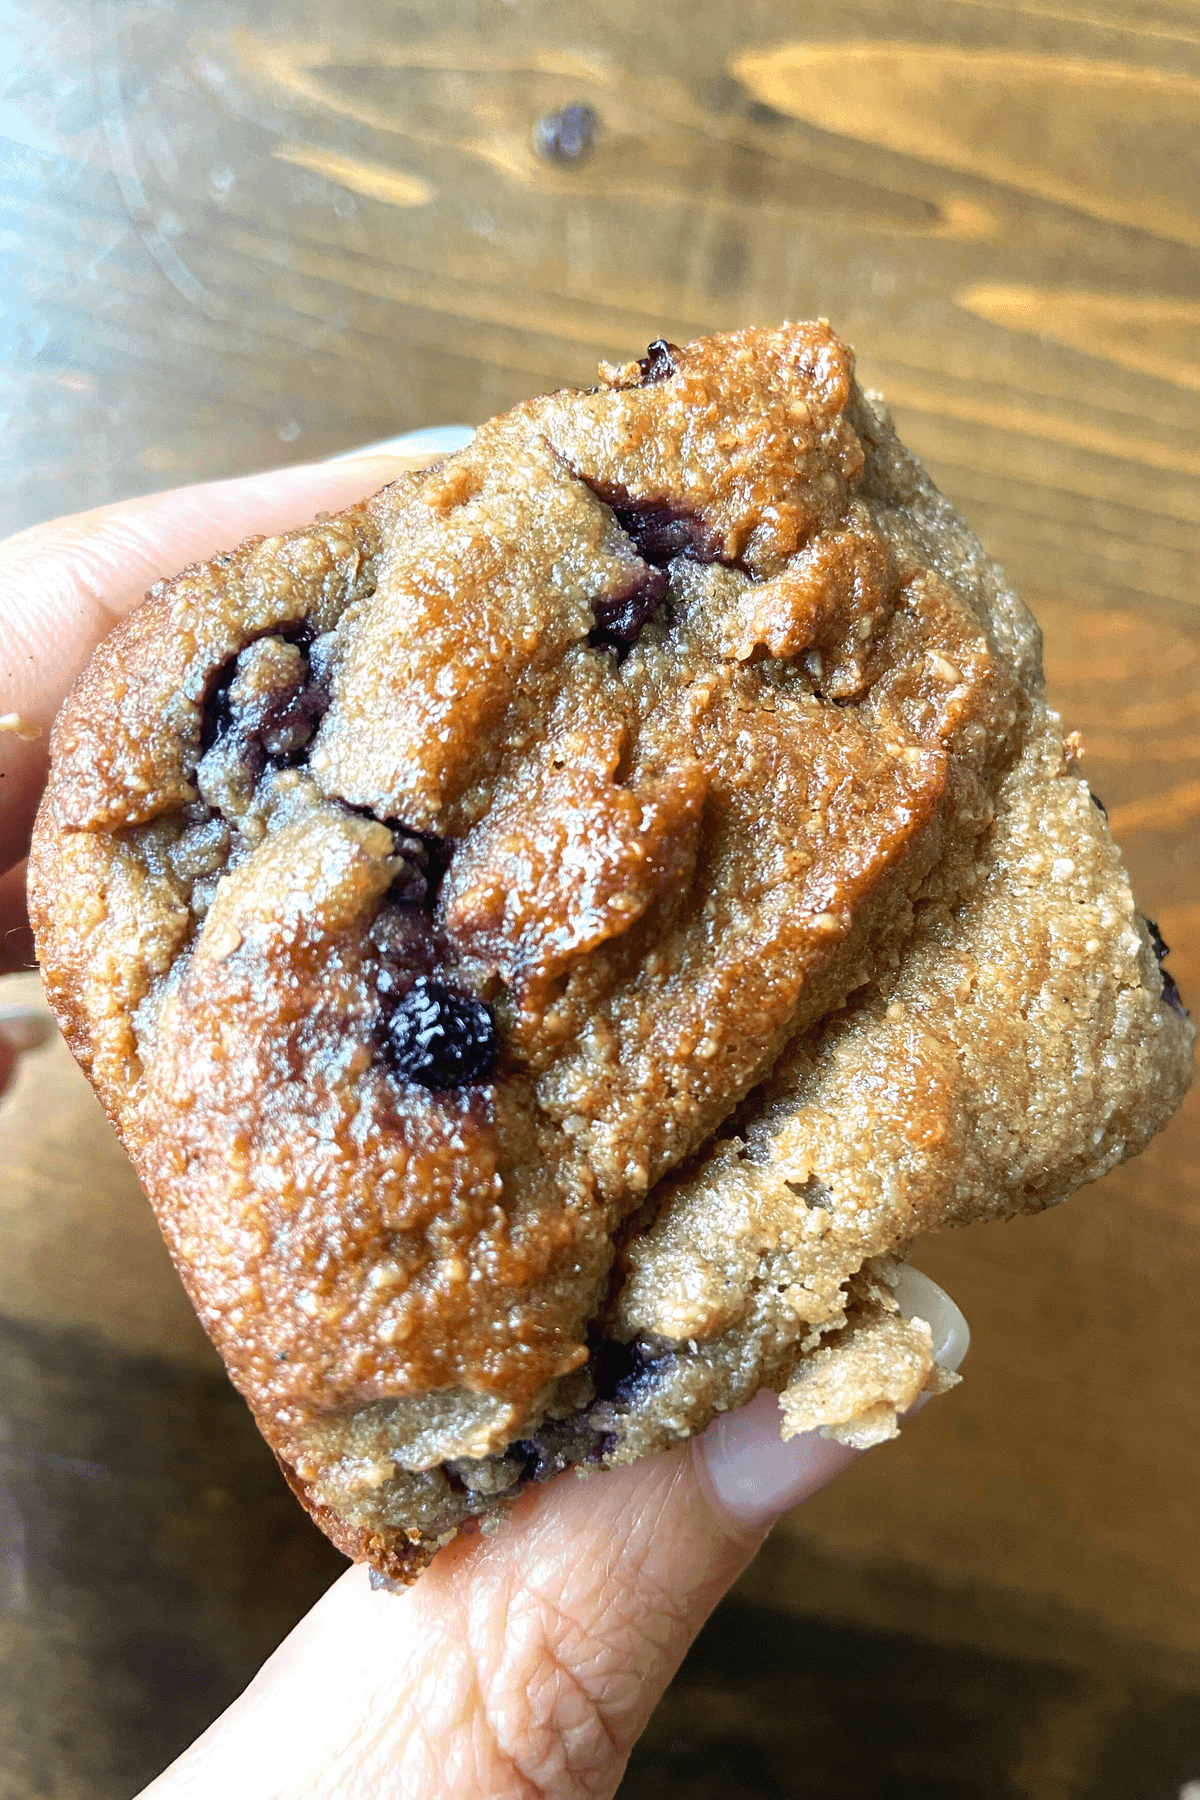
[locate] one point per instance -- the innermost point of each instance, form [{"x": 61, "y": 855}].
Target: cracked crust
[{"x": 674, "y": 760}]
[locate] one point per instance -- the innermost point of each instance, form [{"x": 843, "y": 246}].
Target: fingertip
[
  {"x": 921, "y": 1298},
  {"x": 750, "y": 1474},
  {"x": 22, "y": 1028}
]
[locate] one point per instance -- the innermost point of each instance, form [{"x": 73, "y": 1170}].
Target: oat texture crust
[{"x": 550, "y": 936}]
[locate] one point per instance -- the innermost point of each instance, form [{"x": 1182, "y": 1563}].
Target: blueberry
[
  {"x": 383, "y": 1584},
  {"x": 413, "y": 885},
  {"x": 619, "y": 1370},
  {"x": 1161, "y": 950},
  {"x": 619, "y": 620},
  {"x": 264, "y": 706},
  {"x": 658, "y": 362},
  {"x": 660, "y": 526},
  {"x": 662, "y": 529},
  {"x": 1172, "y": 996},
  {"x": 1170, "y": 993},
  {"x": 441, "y": 1037},
  {"x": 558, "y": 1444}
]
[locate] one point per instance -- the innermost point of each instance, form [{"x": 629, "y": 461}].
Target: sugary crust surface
[{"x": 680, "y": 748}]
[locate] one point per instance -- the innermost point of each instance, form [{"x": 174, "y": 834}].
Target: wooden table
[{"x": 242, "y": 235}]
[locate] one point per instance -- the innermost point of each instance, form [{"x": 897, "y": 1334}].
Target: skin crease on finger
[
  {"x": 526, "y": 1664},
  {"x": 522, "y": 1665}
]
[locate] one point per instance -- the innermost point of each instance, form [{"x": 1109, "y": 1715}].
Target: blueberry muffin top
[{"x": 434, "y": 895}]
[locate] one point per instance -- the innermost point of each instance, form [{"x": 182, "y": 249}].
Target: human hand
[{"x": 522, "y": 1664}]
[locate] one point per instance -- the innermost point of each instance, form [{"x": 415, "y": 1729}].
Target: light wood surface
[{"x": 245, "y": 235}]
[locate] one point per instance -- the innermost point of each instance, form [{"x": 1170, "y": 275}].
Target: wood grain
[
  {"x": 1069, "y": 122},
  {"x": 238, "y": 235}
]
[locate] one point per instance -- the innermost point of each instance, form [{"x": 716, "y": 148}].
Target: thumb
[{"x": 526, "y": 1663}]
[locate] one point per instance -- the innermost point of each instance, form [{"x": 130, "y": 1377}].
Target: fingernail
[
  {"x": 433, "y": 440},
  {"x": 921, "y": 1298},
  {"x": 25, "y": 1027},
  {"x": 750, "y": 1475}
]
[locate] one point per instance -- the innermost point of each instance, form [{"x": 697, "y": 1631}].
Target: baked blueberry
[{"x": 440, "y": 1037}]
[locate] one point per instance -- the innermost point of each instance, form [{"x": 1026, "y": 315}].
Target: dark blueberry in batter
[
  {"x": 556, "y": 1445},
  {"x": 1098, "y": 803},
  {"x": 619, "y": 1371},
  {"x": 265, "y": 705},
  {"x": 611, "y": 1362},
  {"x": 619, "y": 620},
  {"x": 216, "y": 719},
  {"x": 411, "y": 885},
  {"x": 567, "y": 136},
  {"x": 658, "y": 362},
  {"x": 441, "y": 1037},
  {"x": 1171, "y": 994},
  {"x": 272, "y": 697},
  {"x": 643, "y": 1375},
  {"x": 437, "y": 861},
  {"x": 661, "y": 529},
  {"x": 425, "y": 860},
  {"x": 287, "y": 728}
]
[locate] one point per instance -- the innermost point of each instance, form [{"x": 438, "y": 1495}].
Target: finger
[
  {"x": 23, "y": 1027},
  {"x": 65, "y": 584},
  {"x": 753, "y": 1474},
  {"x": 16, "y": 939},
  {"x": 522, "y": 1664}
]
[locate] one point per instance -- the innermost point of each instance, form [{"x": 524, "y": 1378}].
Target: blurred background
[{"x": 235, "y": 235}]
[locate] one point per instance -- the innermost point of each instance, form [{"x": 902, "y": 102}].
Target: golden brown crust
[
  {"x": 126, "y": 742},
  {"x": 393, "y": 1557},
  {"x": 719, "y": 717}
]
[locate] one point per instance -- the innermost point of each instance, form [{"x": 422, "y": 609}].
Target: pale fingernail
[
  {"x": 433, "y": 440},
  {"x": 25, "y": 1027},
  {"x": 921, "y": 1298},
  {"x": 750, "y": 1475}
]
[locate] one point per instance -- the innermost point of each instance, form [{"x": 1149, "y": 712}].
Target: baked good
[{"x": 551, "y": 935}]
